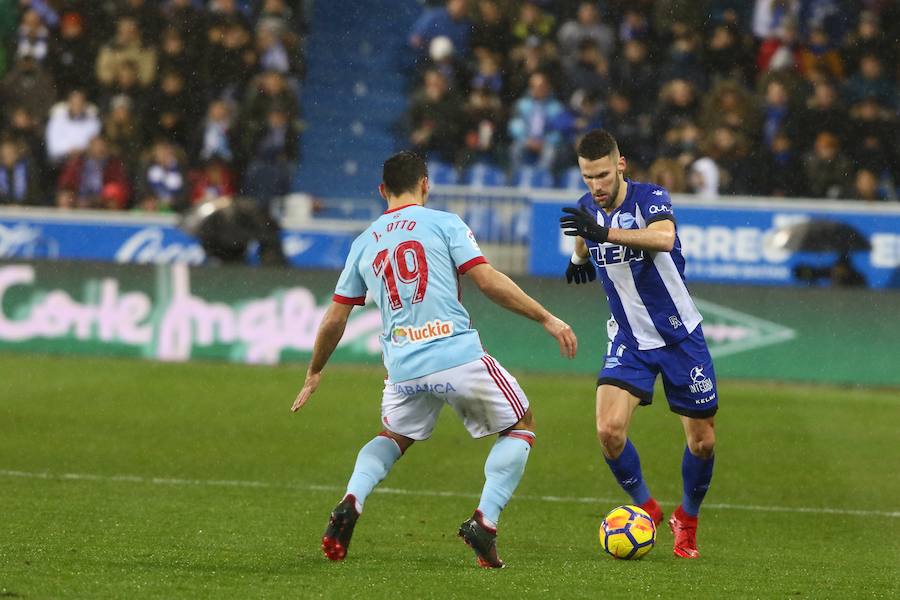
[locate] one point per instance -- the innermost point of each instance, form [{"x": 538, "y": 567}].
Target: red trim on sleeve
[
  {"x": 345, "y": 300},
  {"x": 478, "y": 260},
  {"x": 390, "y": 210}
]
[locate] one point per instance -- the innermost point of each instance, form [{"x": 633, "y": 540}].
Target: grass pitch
[{"x": 131, "y": 479}]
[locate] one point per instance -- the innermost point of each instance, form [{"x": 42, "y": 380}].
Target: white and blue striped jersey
[
  {"x": 409, "y": 260},
  {"x": 646, "y": 291}
]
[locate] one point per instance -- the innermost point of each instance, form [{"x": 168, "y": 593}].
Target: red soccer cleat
[
  {"x": 684, "y": 528},
  {"x": 651, "y": 507},
  {"x": 340, "y": 529}
]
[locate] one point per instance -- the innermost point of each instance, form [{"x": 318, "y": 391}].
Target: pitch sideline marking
[{"x": 403, "y": 492}]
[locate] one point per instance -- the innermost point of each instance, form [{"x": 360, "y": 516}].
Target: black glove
[
  {"x": 582, "y": 223},
  {"x": 580, "y": 273}
]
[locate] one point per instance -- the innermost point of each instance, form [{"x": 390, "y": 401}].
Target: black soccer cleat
[
  {"x": 340, "y": 528},
  {"x": 483, "y": 540}
]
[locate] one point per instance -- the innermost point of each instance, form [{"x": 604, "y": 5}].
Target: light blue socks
[
  {"x": 373, "y": 463},
  {"x": 502, "y": 471}
]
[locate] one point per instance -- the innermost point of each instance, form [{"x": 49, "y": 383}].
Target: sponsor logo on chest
[{"x": 416, "y": 334}]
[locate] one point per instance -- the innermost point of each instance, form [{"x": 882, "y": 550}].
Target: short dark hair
[
  {"x": 402, "y": 172},
  {"x": 596, "y": 144}
]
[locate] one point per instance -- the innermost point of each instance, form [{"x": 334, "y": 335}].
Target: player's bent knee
[
  {"x": 702, "y": 445},
  {"x": 612, "y": 437},
  {"x": 402, "y": 441}
]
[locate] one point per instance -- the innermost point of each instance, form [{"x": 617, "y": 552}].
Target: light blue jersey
[{"x": 410, "y": 260}]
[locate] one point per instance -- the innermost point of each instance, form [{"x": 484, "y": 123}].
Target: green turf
[{"x": 212, "y": 430}]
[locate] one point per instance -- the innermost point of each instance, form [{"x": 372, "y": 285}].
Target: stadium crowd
[
  {"x": 713, "y": 97},
  {"x": 148, "y": 104}
]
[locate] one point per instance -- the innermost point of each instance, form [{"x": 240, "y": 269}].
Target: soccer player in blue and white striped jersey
[{"x": 627, "y": 230}]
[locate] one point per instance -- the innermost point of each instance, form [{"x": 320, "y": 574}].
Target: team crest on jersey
[
  {"x": 623, "y": 220},
  {"x": 406, "y": 334}
]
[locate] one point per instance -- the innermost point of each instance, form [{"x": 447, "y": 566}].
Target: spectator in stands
[
  {"x": 277, "y": 48},
  {"x": 266, "y": 91},
  {"x": 215, "y": 180},
  {"x": 175, "y": 55},
  {"x": 533, "y": 22},
  {"x": 777, "y": 113},
  {"x": 632, "y": 131},
  {"x": 668, "y": 173},
  {"x": 280, "y": 11},
  {"x": 731, "y": 105},
  {"x": 191, "y": 23},
  {"x": 677, "y": 104},
  {"x": 873, "y": 137},
  {"x": 820, "y": 52},
  {"x": 828, "y": 170},
  {"x": 534, "y": 140},
  {"x": 484, "y": 124},
  {"x": 488, "y": 75},
  {"x": 870, "y": 80},
  {"x": 492, "y": 30},
  {"x": 32, "y": 37},
  {"x": 126, "y": 82},
  {"x": 72, "y": 51},
  {"x": 123, "y": 129},
  {"x": 635, "y": 76},
  {"x": 229, "y": 58},
  {"x": 782, "y": 170},
  {"x": 769, "y": 16},
  {"x": 682, "y": 143},
  {"x": 450, "y": 20},
  {"x": 726, "y": 55},
  {"x": 28, "y": 84},
  {"x": 781, "y": 50},
  {"x": 869, "y": 38},
  {"x": 170, "y": 112},
  {"x": 127, "y": 45},
  {"x": 684, "y": 62},
  {"x": 28, "y": 133},
  {"x": 587, "y": 72},
  {"x": 94, "y": 179},
  {"x": 162, "y": 186},
  {"x": 865, "y": 186},
  {"x": 730, "y": 151},
  {"x": 823, "y": 113},
  {"x": 703, "y": 178},
  {"x": 634, "y": 26},
  {"x": 442, "y": 58},
  {"x": 215, "y": 135},
  {"x": 72, "y": 125},
  {"x": 534, "y": 57},
  {"x": 146, "y": 14},
  {"x": 20, "y": 182},
  {"x": 435, "y": 118},
  {"x": 273, "y": 151},
  {"x": 586, "y": 26}
]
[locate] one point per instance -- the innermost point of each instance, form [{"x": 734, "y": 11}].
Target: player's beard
[{"x": 610, "y": 196}]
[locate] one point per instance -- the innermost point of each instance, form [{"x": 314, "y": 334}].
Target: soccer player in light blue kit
[
  {"x": 627, "y": 230},
  {"x": 409, "y": 261}
]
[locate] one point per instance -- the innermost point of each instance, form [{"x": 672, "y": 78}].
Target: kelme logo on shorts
[{"x": 431, "y": 330}]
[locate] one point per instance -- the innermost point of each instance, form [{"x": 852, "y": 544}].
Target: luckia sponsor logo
[{"x": 405, "y": 334}]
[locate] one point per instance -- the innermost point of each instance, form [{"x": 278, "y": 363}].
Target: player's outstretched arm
[
  {"x": 503, "y": 291},
  {"x": 331, "y": 329},
  {"x": 659, "y": 236}
]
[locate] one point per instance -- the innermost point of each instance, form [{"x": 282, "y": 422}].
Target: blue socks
[
  {"x": 503, "y": 470},
  {"x": 696, "y": 473},
  {"x": 373, "y": 462},
  {"x": 627, "y": 471}
]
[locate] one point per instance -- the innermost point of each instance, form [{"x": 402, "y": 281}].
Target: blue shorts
[{"x": 687, "y": 373}]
